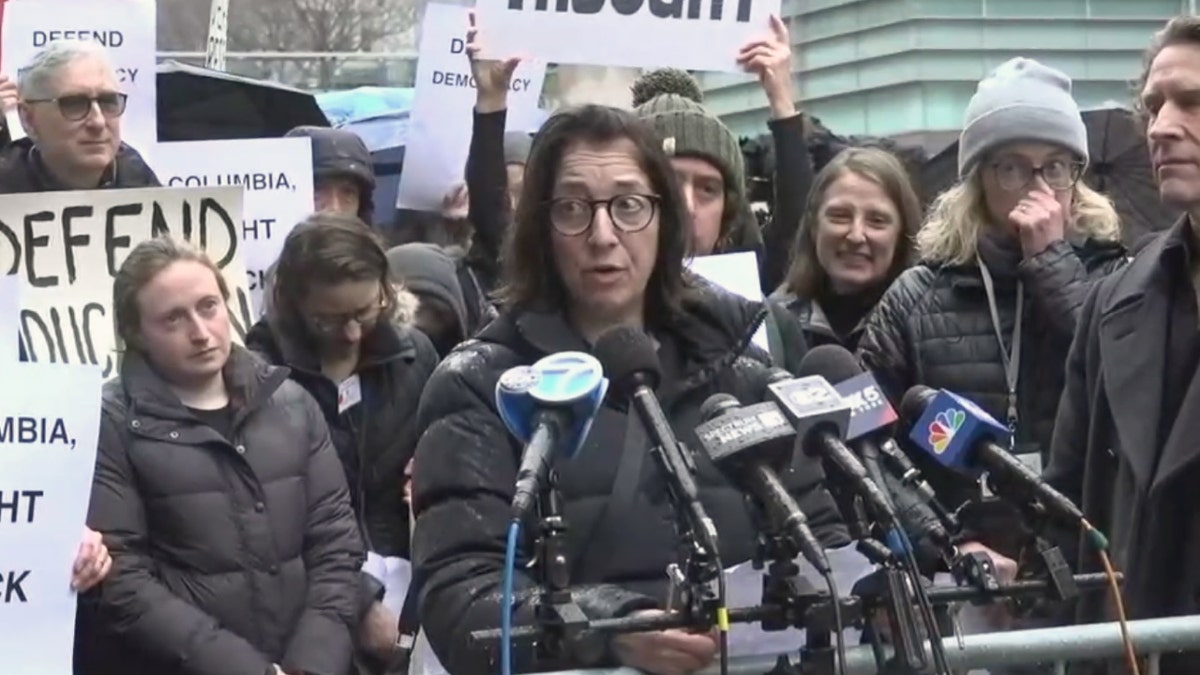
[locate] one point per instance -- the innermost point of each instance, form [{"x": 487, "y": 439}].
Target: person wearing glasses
[
  {"x": 1005, "y": 259},
  {"x": 344, "y": 329},
  {"x": 70, "y": 106},
  {"x": 597, "y": 242}
]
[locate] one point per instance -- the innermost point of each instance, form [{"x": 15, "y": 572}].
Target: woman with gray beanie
[{"x": 1005, "y": 259}]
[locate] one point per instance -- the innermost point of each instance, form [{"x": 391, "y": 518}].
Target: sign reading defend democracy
[
  {"x": 126, "y": 27},
  {"x": 67, "y": 247},
  {"x": 441, "y": 119},
  {"x": 687, "y": 34},
  {"x": 276, "y": 174},
  {"x": 49, "y": 427}
]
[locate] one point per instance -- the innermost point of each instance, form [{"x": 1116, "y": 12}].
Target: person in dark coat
[
  {"x": 1125, "y": 437},
  {"x": 856, "y": 238},
  {"x": 344, "y": 329},
  {"x": 343, "y": 173},
  {"x": 598, "y": 241},
  {"x": 429, "y": 272},
  {"x": 74, "y": 140},
  {"x": 218, "y": 492}
]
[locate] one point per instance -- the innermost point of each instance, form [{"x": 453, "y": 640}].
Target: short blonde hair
[{"x": 951, "y": 230}]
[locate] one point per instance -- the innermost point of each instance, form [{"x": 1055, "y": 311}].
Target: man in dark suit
[{"x": 1124, "y": 445}]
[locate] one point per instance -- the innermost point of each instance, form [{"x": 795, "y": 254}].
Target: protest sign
[
  {"x": 736, "y": 273},
  {"x": 276, "y": 174},
  {"x": 126, "y": 27},
  {"x": 49, "y": 426},
  {"x": 687, "y": 34},
  {"x": 10, "y": 298},
  {"x": 68, "y": 246},
  {"x": 441, "y": 119}
]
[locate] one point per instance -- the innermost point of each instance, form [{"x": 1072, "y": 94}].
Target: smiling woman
[{"x": 597, "y": 243}]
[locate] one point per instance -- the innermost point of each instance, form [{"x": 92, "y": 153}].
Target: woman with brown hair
[
  {"x": 218, "y": 493},
  {"x": 598, "y": 242},
  {"x": 855, "y": 239}
]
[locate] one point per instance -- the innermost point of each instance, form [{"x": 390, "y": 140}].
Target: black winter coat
[
  {"x": 229, "y": 555},
  {"x": 466, "y": 466},
  {"x": 22, "y": 170},
  {"x": 376, "y": 438},
  {"x": 933, "y": 327}
]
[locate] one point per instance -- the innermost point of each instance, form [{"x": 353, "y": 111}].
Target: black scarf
[{"x": 1001, "y": 251}]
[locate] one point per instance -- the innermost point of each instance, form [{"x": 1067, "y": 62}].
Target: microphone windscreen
[
  {"x": 629, "y": 358},
  {"x": 716, "y": 405},
  {"x": 831, "y": 362},
  {"x": 915, "y": 401}
]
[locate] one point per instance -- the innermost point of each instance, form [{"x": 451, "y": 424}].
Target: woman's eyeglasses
[
  {"x": 1016, "y": 173},
  {"x": 365, "y": 318},
  {"x": 572, "y": 217},
  {"x": 76, "y": 107}
]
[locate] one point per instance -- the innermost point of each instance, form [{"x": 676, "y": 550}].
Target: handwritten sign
[
  {"x": 68, "y": 246},
  {"x": 441, "y": 119},
  {"x": 10, "y": 308},
  {"x": 127, "y": 28},
  {"x": 276, "y": 176},
  {"x": 688, "y": 34},
  {"x": 49, "y": 426}
]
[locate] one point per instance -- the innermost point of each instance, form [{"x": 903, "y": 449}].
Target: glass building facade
[{"x": 906, "y": 68}]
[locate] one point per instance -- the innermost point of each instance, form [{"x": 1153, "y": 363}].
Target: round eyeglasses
[
  {"x": 1015, "y": 173},
  {"x": 628, "y": 213}
]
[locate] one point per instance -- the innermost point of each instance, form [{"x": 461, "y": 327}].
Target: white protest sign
[
  {"x": 68, "y": 246},
  {"x": 687, "y": 34},
  {"x": 10, "y": 305},
  {"x": 49, "y": 426},
  {"x": 736, "y": 273},
  {"x": 126, "y": 27},
  {"x": 276, "y": 174},
  {"x": 443, "y": 103}
]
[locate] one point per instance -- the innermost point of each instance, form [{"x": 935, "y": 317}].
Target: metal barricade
[{"x": 1059, "y": 646}]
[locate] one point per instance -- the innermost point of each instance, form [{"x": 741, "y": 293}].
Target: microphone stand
[
  {"x": 795, "y": 602},
  {"x": 558, "y": 618}
]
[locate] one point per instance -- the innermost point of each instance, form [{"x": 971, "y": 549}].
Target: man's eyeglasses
[
  {"x": 76, "y": 107},
  {"x": 365, "y": 318},
  {"x": 629, "y": 213},
  {"x": 1015, "y": 173}
]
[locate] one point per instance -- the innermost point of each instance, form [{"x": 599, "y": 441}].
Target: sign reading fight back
[{"x": 66, "y": 247}]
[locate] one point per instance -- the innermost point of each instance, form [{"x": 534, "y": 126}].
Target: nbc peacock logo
[{"x": 943, "y": 427}]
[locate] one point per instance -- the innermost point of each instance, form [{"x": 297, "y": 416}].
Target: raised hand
[{"x": 492, "y": 77}]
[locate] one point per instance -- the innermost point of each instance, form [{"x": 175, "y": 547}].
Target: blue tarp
[{"x": 363, "y": 102}]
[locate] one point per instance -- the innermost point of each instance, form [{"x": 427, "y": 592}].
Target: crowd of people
[{"x": 240, "y": 489}]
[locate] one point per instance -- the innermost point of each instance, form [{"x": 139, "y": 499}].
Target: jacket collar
[
  {"x": 249, "y": 380},
  {"x": 1132, "y": 335},
  {"x": 385, "y": 344}
]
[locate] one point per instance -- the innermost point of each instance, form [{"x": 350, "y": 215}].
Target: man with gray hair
[{"x": 70, "y": 106}]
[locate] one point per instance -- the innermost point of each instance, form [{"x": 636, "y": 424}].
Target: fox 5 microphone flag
[
  {"x": 567, "y": 379},
  {"x": 951, "y": 426}
]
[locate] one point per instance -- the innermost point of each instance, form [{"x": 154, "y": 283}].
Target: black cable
[
  {"x": 839, "y": 638},
  {"x": 936, "y": 648}
]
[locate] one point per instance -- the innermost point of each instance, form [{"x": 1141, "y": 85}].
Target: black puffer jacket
[
  {"x": 467, "y": 462},
  {"x": 22, "y": 170},
  {"x": 228, "y": 555},
  {"x": 933, "y": 327},
  {"x": 376, "y": 438}
]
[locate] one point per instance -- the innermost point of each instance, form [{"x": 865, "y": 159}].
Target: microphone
[
  {"x": 751, "y": 446},
  {"x": 631, "y": 359},
  {"x": 820, "y": 416},
  {"x": 870, "y": 412},
  {"x": 962, "y": 436},
  {"x": 549, "y": 407}
]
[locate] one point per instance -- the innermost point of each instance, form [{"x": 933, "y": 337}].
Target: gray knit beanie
[
  {"x": 688, "y": 130},
  {"x": 1022, "y": 100}
]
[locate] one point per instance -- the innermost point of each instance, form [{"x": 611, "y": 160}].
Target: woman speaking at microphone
[{"x": 598, "y": 242}]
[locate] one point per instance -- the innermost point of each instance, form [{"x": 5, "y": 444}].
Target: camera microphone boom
[
  {"x": 549, "y": 407},
  {"x": 752, "y": 445},
  {"x": 962, "y": 436}
]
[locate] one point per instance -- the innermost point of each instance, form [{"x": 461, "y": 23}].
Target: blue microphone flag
[{"x": 950, "y": 428}]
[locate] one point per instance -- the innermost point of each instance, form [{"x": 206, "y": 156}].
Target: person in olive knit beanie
[{"x": 707, "y": 158}]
